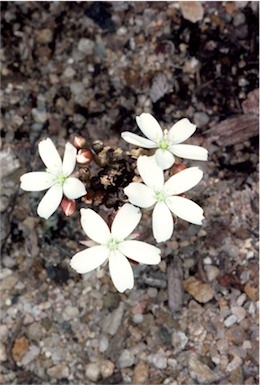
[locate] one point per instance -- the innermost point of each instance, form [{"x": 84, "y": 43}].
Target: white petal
[
  {"x": 73, "y": 188},
  {"x": 164, "y": 158},
  {"x": 141, "y": 252},
  {"x": 162, "y": 222},
  {"x": 181, "y": 131},
  {"x": 183, "y": 181},
  {"x": 37, "y": 181},
  {"x": 94, "y": 226},
  {"x": 50, "y": 155},
  {"x": 150, "y": 172},
  {"x": 150, "y": 127},
  {"x": 89, "y": 259},
  {"x": 50, "y": 202},
  {"x": 69, "y": 159},
  {"x": 137, "y": 140},
  {"x": 186, "y": 209},
  {"x": 126, "y": 220},
  {"x": 121, "y": 272},
  {"x": 140, "y": 195},
  {"x": 188, "y": 151}
]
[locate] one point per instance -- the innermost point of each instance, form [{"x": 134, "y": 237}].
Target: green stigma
[
  {"x": 160, "y": 196},
  {"x": 113, "y": 244},
  {"x": 164, "y": 144},
  {"x": 61, "y": 179}
]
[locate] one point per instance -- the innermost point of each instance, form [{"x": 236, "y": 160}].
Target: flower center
[
  {"x": 160, "y": 196},
  {"x": 164, "y": 143},
  {"x": 60, "y": 179},
  {"x": 112, "y": 244}
]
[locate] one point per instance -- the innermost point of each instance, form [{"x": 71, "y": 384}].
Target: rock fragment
[
  {"x": 93, "y": 371},
  {"x": 201, "y": 291},
  {"x": 58, "y": 371},
  {"x": 192, "y": 10},
  {"x": 141, "y": 373}
]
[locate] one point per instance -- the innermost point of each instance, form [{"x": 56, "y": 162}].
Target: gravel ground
[{"x": 89, "y": 68}]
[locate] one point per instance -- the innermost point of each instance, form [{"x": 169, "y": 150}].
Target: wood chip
[
  {"x": 175, "y": 289},
  {"x": 251, "y": 104},
  {"x": 234, "y": 130}
]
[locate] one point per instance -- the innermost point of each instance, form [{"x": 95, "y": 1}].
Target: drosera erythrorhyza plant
[{"x": 159, "y": 188}]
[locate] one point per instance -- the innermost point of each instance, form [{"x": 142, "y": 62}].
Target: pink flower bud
[
  {"x": 177, "y": 167},
  {"x": 84, "y": 157},
  {"x": 79, "y": 142},
  {"x": 68, "y": 206}
]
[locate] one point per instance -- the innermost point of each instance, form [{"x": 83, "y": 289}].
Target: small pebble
[
  {"x": 241, "y": 299},
  {"x": 93, "y": 371},
  {"x": 141, "y": 373},
  {"x": 3, "y": 333},
  {"x": 160, "y": 360},
  {"x": 69, "y": 72},
  {"x": 58, "y": 371},
  {"x": 230, "y": 320},
  {"x": 201, "y": 291},
  {"x": 3, "y": 353},
  {"x": 76, "y": 88},
  {"x": 152, "y": 292},
  {"x": 44, "y": 36},
  {"x": 126, "y": 359},
  {"x": 86, "y": 46},
  {"x": 39, "y": 115},
  {"x": 107, "y": 368},
  {"x": 103, "y": 343},
  {"x": 192, "y": 10},
  {"x": 239, "y": 312},
  {"x": 212, "y": 272},
  {"x": 138, "y": 318},
  {"x": 201, "y": 119},
  {"x": 179, "y": 340},
  {"x": 70, "y": 312}
]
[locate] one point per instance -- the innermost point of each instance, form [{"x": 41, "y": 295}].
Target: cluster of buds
[{"x": 84, "y": 155}]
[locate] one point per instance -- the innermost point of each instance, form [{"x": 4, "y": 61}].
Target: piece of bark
[
  {"x": 175, "y": 288},
  {"x": 241, "y": 127},
  {"x": 234, "y": 130},
  {"x": 251, "y": 104}
]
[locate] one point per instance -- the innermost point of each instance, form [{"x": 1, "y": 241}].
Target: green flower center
[
  {"x": 60, "y": 179},
  {"x": 164, "y": 144},
  {"x": 112, "y": 244},
  {"x": 160, "y": 196}
]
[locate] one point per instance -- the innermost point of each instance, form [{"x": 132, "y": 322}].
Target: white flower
[
  {"x": 164, "y": 196},
  {"x": 55, "y": 178},
  {"x": 113, "y": 246},
  {"x": 167, "y": 142}
]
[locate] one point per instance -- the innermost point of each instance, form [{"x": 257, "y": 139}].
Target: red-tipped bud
[
  {"x": 84, "y": 157},
  {"x": 177, "y": 168},
  {"x": 68, "y": 206},
  {"x": 79, "y": 142}
]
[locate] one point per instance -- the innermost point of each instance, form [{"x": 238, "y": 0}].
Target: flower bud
[
  {"x": 68, "y": 206},
  {"x": 97, "y": 146},
  {"x": 177, "y": 168},
  {"x": 84, "y": 157},
  {"x": 79, "y": 142}
]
